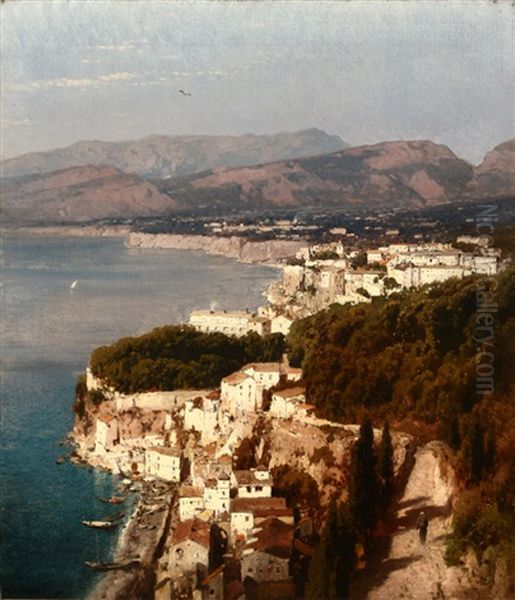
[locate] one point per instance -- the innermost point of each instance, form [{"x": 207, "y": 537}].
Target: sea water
[{"x": 47, "y": 332}]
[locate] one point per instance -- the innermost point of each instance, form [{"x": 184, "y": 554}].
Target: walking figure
[{"x": 422, "y": 525}]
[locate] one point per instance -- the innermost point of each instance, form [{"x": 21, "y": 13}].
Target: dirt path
[{"x": 413, "y": 571}]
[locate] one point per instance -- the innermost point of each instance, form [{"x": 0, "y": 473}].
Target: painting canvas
[{"x": 257, "y": 303}]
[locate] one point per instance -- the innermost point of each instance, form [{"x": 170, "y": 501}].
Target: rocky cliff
[
  {"x": 162, "y": 156},
  {"x": 232, "y": 247}
]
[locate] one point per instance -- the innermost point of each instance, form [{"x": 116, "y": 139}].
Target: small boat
[
  {"x": 100, "y": 524},
  {"x": 109, "y": 566},
  {"x": 74, "y": 284},
  {"x": 60, "y": 460},
  {"x": 113, "y": 499}
]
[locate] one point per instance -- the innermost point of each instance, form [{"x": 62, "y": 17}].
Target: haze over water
[{"x": 47, "y": 334}]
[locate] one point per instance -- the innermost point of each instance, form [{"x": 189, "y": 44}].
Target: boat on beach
[
  {"x": 99, "y": 524},
  {"x": 113, "y": 499},
  {"x": 110, "y": 566}
]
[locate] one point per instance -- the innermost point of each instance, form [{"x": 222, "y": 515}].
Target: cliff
[{"x": 236, "y": 247}]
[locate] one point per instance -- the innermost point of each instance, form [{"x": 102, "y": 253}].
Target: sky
[{"x": 366, "y": 70}]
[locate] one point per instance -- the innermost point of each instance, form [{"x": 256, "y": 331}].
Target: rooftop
[
  {"x": 190, "y": 491},
  {"x": 263, "y": 367},
  {"x": 106, "y": 418},
  {"x": 235, "y": 378},
  {"x": 192, "y": 529},
  {"x": 166, "y": 451},
  {"x": 248, "y": 477},
  {"x": 274, "y": 537},
  {"x": 290, "y": 392}
]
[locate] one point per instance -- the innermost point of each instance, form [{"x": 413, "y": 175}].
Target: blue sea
[{"x": 47, "y": 333}]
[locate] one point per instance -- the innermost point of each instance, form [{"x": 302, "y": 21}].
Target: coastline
[
  {"x": 69, "y": 231},
  {"x": 266, "y": 252},
  {"x": 141, "y": 538}
]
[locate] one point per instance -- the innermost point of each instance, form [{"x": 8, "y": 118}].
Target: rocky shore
[
  {"x": 142, "y": 541},
  {"x": 239, "y": 248}
]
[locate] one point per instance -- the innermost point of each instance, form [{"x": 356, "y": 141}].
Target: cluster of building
[
  {"x": 214, "y": 500},
  {"x": 324, "y": 274}
]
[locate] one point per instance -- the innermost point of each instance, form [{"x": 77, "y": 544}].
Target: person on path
[{"x": 422, "y": 525}]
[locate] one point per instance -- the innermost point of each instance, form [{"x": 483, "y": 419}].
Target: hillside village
[
  {"x": 323, "y": 274},
  {"x": 189, "y": 439}
]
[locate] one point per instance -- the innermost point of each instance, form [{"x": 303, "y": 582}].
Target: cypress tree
[
  {"x": 386, "y": 470},
  {"x": 363, "y": 489},
  {"x": 333, "y": 561}
]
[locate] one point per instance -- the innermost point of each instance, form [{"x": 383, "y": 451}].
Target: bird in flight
[{"x": 184, "y": 93}]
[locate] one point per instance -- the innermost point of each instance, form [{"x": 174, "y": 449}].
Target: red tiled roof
[
  {"x": 258, "y": 505},
  {"x": 165, "y": 450},
  {"x": 235, "y": 378},
  {"x": 290, "y": 392},
  {"x": 274, "y": 537},
  {"x": 248, "y": 477},
  {"x": 106, "y": 418},
  {"x": 263, "y": 367},
  {"x": 190, "y": 491},
  {"x": 192, "y": 529}
]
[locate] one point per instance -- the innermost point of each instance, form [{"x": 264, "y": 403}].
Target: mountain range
[
  {"x": 162, "y": 156},
  {"x": 403, "y": 174}
]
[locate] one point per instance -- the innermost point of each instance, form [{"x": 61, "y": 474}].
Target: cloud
[
  {"x": 66, "y": 82},
  {"x": 115, "y": 47}
]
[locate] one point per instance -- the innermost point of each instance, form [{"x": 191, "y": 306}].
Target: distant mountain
[
  {"x": 399, "y": 173},
  {"x": 161, "y": 156},
  {"x": 80, "y": 194},
  {"x": 495, "y": 176},
  {"x": 404, "y": 174}
]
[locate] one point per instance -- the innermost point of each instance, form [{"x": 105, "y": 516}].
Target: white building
[
  {"x": 236, "y": 323},
  {"x": 281, "y": 324},
  {"x": 253, "y": 483},
  {"x": 191, "y": 502},
  {"x": 164, "y": 463},
  {"x": 106, "y": 432},
  {"x": 249, "y": 513},
  {"x": 266, "y": 375},
  {"x": 287, "y": 403},
  {"x": 189, "y": 549},
  {"x": 374, "y": 256},
  {"x": 217, "y": 494},
  {"x": 240, "y": 394}
]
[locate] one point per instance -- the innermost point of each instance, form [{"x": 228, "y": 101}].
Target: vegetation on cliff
[
  {"x": 179, "y": 357},
  {"x": 426, "y": 356}
]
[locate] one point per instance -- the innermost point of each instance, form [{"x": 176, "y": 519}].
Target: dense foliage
[
  {"x": 419, "y": 355},
  {"x": 413, "y": 354},
  {"x": 179, "y": 357}
]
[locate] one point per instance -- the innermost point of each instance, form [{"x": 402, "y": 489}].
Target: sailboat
[{"x": 74, "y": 284}]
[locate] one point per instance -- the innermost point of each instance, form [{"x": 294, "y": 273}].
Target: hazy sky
[{"x": 365, "y": 70}]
